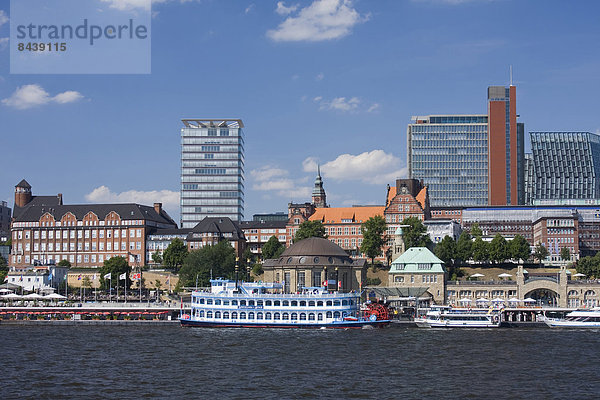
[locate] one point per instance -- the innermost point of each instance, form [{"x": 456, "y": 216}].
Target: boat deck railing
[{"x": 279, "y": 295}]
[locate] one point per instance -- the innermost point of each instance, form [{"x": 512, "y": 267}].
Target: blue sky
[{"x": 327, "y": 81}]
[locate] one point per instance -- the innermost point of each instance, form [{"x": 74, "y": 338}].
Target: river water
[{"x": 51, "y": 362}]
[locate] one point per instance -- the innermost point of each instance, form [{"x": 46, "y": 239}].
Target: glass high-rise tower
[{"x": 212, "y": 170}]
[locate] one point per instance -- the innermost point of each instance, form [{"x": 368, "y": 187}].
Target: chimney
[
  {"x": 158, "y": 208},
  {"x": 60, "y": 203}
]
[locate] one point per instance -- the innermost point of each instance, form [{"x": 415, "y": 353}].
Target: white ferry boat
[
  {"x": 577, "y": 319},
  {"x": 263, "y": 305},
  {"x": 446, "y": 317}
]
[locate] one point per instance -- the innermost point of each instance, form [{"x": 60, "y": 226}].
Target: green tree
[
  {"x": 498, "y": 249},
  {"x": 415, "y": 234},
  {"x": 157, "y": 257},
  {"x": 115, "y": 266},
  {"x": 373, "y": 231},
  {"x": 3, "y": 269},
  {"x": 86, "y": 283},
  {"x": 64, "y": 263},
  {"x": 519, "y": 248},
  {"x": 175, "y": 254},
  {"x": 218, "y": 259},
  {"x": 464, "y": 247},
  {"x": 565, "y": 254},
  {"x": 446, "y": 250},
  {"x": 589, "y": 266},
  {"x": 310, "y": 229},
  {"x": 481, "y": 250},
  {"x": 540, "y": 253},
  {"x": 272, "y": 249},
  {"x": 476, "y": 231}
]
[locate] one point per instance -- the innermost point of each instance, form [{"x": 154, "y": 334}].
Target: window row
[{"x": 269, "y": 316}]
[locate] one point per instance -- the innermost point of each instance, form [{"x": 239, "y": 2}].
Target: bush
[
  {"x": 373, "y": 281},
  {"x": 257, "y": 269}
]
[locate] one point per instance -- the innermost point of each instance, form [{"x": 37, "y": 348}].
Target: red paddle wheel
[{"x": 380, "y": 311}]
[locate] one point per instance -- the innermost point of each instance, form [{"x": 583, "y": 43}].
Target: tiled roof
[
  {"x": 337, "y": 214},
  {"x": 38, "y": 201},
  {"x": 391, "y": 194},
  {"x": 32, "y": 213},
  {"x": 218, "y": 225},
  {"x": 23, "y": 184},
  {"x": 422, "y": 196}
]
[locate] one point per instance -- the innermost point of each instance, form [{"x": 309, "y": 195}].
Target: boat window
[
  {"x": 351, "y": 302},
  {"x": 311, "y": 303},
  {"x": 225, "y": 315},
  {"x": 234, "y": 315},
  {"x": 259, "y": 303},
  {"x": 234, "y": 302},
  {"x": 242, "y": 302},
  {"x": 268, "y": 315},
  {"x": 286, "y": 303},
  {"x": 294, "y": 303},
  {"x": 344, "y": 302},
  {"x": 319, "y": 304},
  {"x": 336, "y": 314},
  {"x": 201, "y": 314},
  {"x": 311, "y": 316},
  {"x": 250, "y": 302},
  {"x": 250, "y": 315},
  {"x": 209, "y": 314},
  {"x": 217, "y": 314},
  {"x": 329, "y": 303},
  {"x": 225, "y": 302},
  {"x": 242, "y": 315},
  {"x": 285, "y": 316},
  {"x": 217, "y": 302},
  {"x": 336, "y": 303},
  {"x": 344, "y": 315},
  {"x": 302, "y": 317},
  {"x": 208, "y": 301},
  {"x": 276, "y": 303},
  {"x": 276, "y": 316},
  {"x": 201, "y": 301},
  {"x": 294, "y": 316},
  {"x": 320, "y": 316},
  {"x": 329, "y": 314},
  {"x": 303, "y": 303},
  {"x": 259, "y": 315},
  {"x": 268, "y": 303}
]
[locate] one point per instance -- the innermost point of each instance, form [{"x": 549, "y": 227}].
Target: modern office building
[
  {"x": 566, "y": 165},
  {"x": 471, "y": 159},
  {"x": 212, "y": 170}
]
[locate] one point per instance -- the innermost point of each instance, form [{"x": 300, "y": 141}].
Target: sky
[{"x": 329, "y": 82}]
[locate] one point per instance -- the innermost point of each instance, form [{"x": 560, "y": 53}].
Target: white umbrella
[
  {"x": 11, "y": 296},
  {"x": 514, "y": 300},
  {"x": 529, "y": 300},
  {"x": 482, "y": 300},
  {"x": 504, "y": 275},
  {"x": 33, "y": 296},
  {"x": 477, "y": 275},
  {"x": 498, "y": 300},
  {"x": 55, "y": 296},
  {"x": 579, "y": 275},
  {"x": 465, "y": 300},
  {"x": 5, "y": 291}
]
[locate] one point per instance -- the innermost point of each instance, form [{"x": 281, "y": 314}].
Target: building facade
[
  {"x": 470, "y": 160},
  {"x": 86, "y": 235},
  {"x": 566, "y": 165},
  {"x": 158, "y": 241},
  {"x": 212, "y": 170},
  {"x": 5, "y": 212},
  {"x": 211, "y": 230},
  {"x": 258, "y": 233},
  {"x": 416, "y": 268}
]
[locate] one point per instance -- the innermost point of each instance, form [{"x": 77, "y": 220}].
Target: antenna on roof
[{"x": 511, "y": 80}]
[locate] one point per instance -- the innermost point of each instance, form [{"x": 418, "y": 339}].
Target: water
[{"x": 400, "y": 363}]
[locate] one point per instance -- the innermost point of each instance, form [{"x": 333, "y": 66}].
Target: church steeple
[{"x": 319, "y": 198}]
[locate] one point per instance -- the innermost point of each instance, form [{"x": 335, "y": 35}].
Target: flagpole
[{"x": 126, "y": 287}]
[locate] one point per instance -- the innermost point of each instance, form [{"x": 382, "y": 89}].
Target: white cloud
[
  {"x": 373, "y": 167},
  {"x": 283, "y": 10},
  {"x": 320, "y": 76},
  {"x": 3, "y": 18},
  {"x": 128, "y": 5},
  {"x": 103, "y": 194},
  {"x": 249, "y": 8},
  {"x": 338, "y": 103},
  {"x": 3, "y": 43},
  {"x": 373, "y": 107},
  {"x": 322, "y": 20},
  {"x": 451, "y": 2},
  {"x": 34, "y": 95},
  {"x": 273, "y": 179}
]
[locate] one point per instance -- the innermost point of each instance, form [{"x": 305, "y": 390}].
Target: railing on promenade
[{"x": 482, "y": 283}]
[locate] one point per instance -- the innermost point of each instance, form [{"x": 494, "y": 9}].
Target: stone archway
[{"x": 544, "y": 297}]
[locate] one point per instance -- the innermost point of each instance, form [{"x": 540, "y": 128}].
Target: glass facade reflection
[
  {"x": 212, "y": 170},
  {"x": 450, "y": 154},
  {"x": 566, "y": 165}
]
